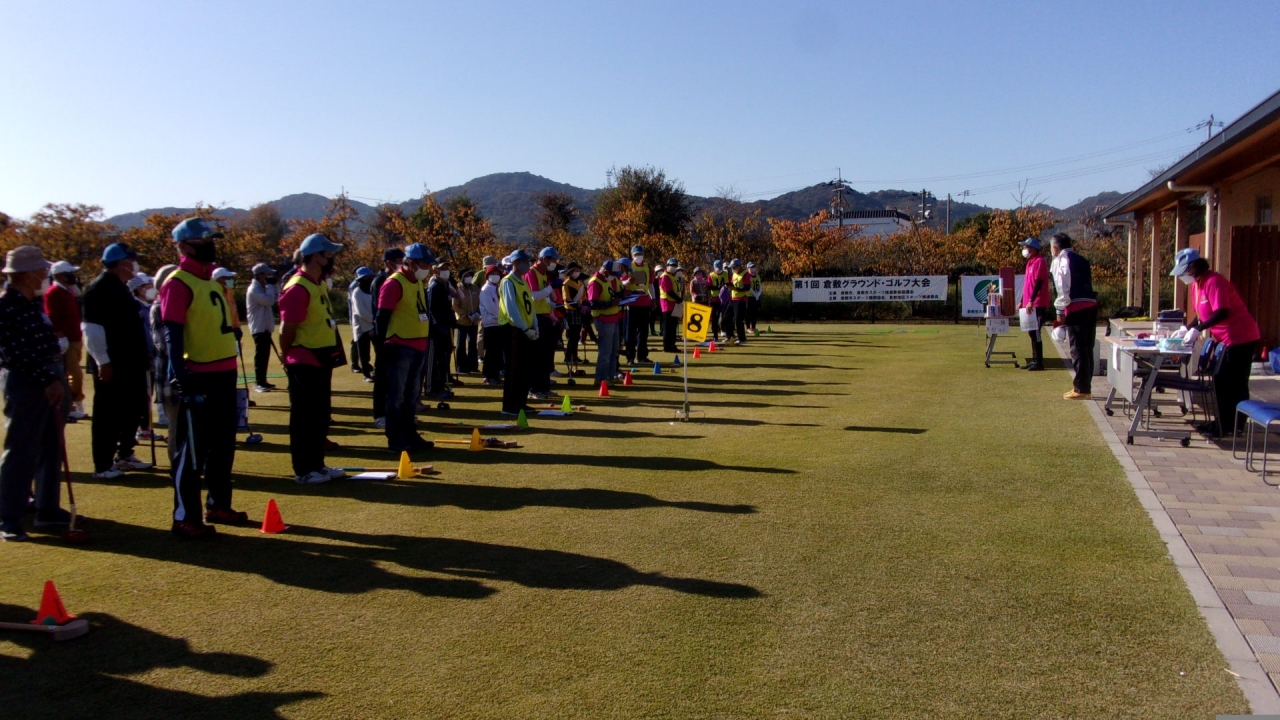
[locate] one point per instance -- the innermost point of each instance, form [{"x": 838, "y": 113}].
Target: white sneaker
[
  {"x": 110, "y": 474},
  {"x": 380, "y": 423},
  {"x": 334, "y": 473},
  {"x": 132, "y": 463},
  {"x": 556, "y": 373},
  {"x": 313, "y": 478},
  {"x": 261, "y": 389},
  {"x": 77, "y": 412}
]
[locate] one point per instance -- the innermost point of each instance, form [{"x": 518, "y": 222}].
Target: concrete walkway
[{"x": 1222, "y": 527}]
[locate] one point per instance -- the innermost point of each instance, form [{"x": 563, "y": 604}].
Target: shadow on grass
[
  {"x": 352, "y": 563},
  {"x": 901, "y": 430},
  {"x": 83, "y": 677}
]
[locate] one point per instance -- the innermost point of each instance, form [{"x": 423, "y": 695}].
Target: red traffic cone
[
  {"x": 697, "y": 355},
  {"x": 272, "y": 522},
  {"x": 604, "y": 388},
  {"x": 52, "y": 611},
  {"x": 626, "y": 379},
  {"x": 712, "y": 346}
]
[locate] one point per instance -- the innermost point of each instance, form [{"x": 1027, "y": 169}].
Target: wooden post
[
  {"x": 1131, "y": 261},
  {"x": 1180, "y": 240},
  {"x": 1155, "y": 263}
]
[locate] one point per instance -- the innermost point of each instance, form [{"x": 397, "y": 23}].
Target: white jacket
[
  {"x": 260, "y": 301},
  {"x": 361, "y": 306},
  {"x": 489, "y": 305}
]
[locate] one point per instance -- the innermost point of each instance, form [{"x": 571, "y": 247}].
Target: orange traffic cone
[
  {"x": 272, "y": 523},
  {"x": 712, "y": 346},
  {"x": 697, "y": 355},
  {"x": 626, "y": 379},
  {"x": 52, "y": 611},
  {"x": 604, "y": 388},
  {"x": 476, "y": 443}
]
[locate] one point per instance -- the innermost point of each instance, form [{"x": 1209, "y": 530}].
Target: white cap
[
  {"x": 222, "y": 273},
  {"x": 62, "y": 266}
]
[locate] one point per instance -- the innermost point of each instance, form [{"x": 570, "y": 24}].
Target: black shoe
[
  {"x": 12, "y": 532},
  {"x": 1034, "y": 367},
  {"x": 419, "y": 443},
  {"x": 193, "y": 531}
]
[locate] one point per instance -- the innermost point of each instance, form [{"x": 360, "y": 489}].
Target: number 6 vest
[{"x": 207, "y": 336}]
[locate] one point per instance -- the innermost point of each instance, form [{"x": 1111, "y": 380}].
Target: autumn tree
[
  {"x": 470, "y": 235},
  {"x": 732, "y": 233},
  {"x": 73, "y": 232},
  {"x": 559, "y": 224},
  {"x": 642, "y": 206},
  {"x": 999, "y": 246},
  {"x": 805, "y": 246}
]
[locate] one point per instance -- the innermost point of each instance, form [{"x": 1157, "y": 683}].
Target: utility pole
[
  {"x": 948, "y": 214},
  {"x": 837, "y": 197}
]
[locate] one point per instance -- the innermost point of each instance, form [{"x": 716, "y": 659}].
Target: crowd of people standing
[{"x": 162, "y": 350}]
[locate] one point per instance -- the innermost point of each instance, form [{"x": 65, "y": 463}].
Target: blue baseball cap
[
  {"x": 193, "y": 228},
  {"x": 519, "y": 255},
  {"x": 607, "y": 266},
  {"x": 624, "y": 261},
  {"x": 718, "y": 265},
  {"x": 672, "y": 262},
  {"x": 419, "y": 252},
  {"x": 549, "y": 252},
  {"x": 317, "y": 243},
  {"x": 735, "y": 263},
  {"x": 116, "y": 252},
  {"x": 1184, "y": 258},
  {"x": 1032, "y": 243},
  {"x": 363, "y": 271},
  {"x": 637, "y": 249}
]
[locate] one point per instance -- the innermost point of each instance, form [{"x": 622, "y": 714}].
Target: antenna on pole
[
  {"x": 1207, "y": 126},
  {"x": 838, "y": 204}
]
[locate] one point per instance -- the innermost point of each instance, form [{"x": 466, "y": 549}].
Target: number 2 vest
[
  {"x": 316, "y": 331},
  {"x": 408, "y": 317},
  {"x": 207, "y": 335}
]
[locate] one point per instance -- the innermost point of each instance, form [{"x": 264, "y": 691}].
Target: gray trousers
[
  {"x": 607, "y": 346},
  {"x": 32, "y": 447}
]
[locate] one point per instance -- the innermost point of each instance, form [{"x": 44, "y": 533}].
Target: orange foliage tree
[{"x": 805, "y": 246}]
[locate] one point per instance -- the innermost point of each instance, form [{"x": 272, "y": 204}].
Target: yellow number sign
[{"x": 696, "y": 320}]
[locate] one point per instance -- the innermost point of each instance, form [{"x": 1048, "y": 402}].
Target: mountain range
[{"x": 509, "y": 201}]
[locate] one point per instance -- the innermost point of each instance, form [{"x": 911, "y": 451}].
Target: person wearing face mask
[
  {"x": 260, "y": 302},
  {"x": 116, "y": 339},
  {"x": 1222, "y": 313},
  {"x": 1077, "y": 306},
  {"x": 144, "y": 293},
  {"x": 1035, "y": 295},
  {"x": 440, "y": 305},
  {"x": 466, "y": 312},
  {"x": 717, "y": 280},
  {"x": 62, "y": 305},
  {"x": 392, "y": 258},
  {"x": 575, "y": 292},
  {"x": 542, "y": 279},
  {"x": 404, "y": 324},
  {"x": 360, "y": 312},
  {"x": 516, "y": 314},
  {"x": 640, "y": 284},
  {"x": 227, "y": 279},
  {"x": 753, "y": 300},
  {"x": 35, "y": 398},
  {"x": 162, "y": 393},
  {"x": 201, "y": 345},
  {"x": 492, "y": 330},
  {"x": 309, "y": 343},
  {"x": 604, "y": 290},
  {"x": 670, "y": 295}
]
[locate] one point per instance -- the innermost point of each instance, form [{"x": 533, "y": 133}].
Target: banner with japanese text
[{"x": 870, "y": 289}]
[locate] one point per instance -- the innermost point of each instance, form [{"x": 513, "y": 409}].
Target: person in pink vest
[{"x": 1035, "y": 295}]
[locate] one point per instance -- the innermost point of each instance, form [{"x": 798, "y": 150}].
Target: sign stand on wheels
[{"x": 695, "y": 319}]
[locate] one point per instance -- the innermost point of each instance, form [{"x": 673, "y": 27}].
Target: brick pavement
[{"x": 1228, "y": 520}]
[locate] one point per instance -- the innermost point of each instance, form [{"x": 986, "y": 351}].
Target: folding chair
[{"x": 1258, "y": 414}]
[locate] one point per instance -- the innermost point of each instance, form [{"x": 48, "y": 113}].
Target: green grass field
[{"x": 859, "y": 524}]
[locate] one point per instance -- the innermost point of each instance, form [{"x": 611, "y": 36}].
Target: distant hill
[{"x": 509, "y": 201}]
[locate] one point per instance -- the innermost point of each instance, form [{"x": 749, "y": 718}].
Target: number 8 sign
[{"x": 696, "y": 320}]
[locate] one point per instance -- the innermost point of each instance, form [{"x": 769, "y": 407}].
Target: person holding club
[
  {"x": 36, "y": 396},
  {"x": 309, "y": 343},
  {"x": 604, "y": 290},
  {"x": 200, "y": 342},
  {"x": 541, "y": 279},
  {"x": 62, "y": 305},
  {"x": 260, "y": 301},
  {"x": 516, "y": 314}
]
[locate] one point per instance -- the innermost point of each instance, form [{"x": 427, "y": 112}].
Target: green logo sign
[{"x": 984, "y": 288}]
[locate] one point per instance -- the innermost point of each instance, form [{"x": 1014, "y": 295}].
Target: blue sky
[{"x": 131, "y": 105}]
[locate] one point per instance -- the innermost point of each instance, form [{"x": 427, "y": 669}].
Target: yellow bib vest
[
  {"x": 718, "y": 279},
  {"x": 606, "y": 295},
  {"x": 409, "y": 318},
  {"x": 524, "y": 301},
  {"x": 640, "y": 280},
  {"x": 316, "y": 331},
  {"x": 543, "y": 306},
  {"x": 675, "y": 285},
  {"x": 755, "y": 284},
  {"x": 571, "y": 288},
  {"x": 740, "y": 281},
  {"x": 207, "y": 335}
]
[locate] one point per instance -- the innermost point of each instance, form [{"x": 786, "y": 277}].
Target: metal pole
[
  {"x": 948, "y": 213},
  {"x": 684, "y": 339}
]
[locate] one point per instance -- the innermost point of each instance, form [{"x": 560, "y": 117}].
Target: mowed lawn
[{"x": 862, "y": 522}]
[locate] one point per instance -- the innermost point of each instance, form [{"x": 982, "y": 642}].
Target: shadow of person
[
  {"x": 356, "y": 562},
  {"x": 83, "y": 677}
]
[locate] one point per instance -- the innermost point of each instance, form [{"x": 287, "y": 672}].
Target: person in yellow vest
[
  {"x": 309, "y": 344},
  {"x": 542, "y": 279},
  {"x": 739, "y": 291},
  {"x": 516, "y": 313},
  {"x": 604, "y": 291},
  {"x": 200, "y": 342},
  {"x": 716, "y": 280},
  {"x": 403, "y": 326},
  {"x": 640, "y": 284},
  {"x": 753, "y": 300}
]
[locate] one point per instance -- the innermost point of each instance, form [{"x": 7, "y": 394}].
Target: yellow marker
[
  {"x": 696, "y": 320},
  {"x": 476, "y": 443},
  {"x": 406, "y": 470}
]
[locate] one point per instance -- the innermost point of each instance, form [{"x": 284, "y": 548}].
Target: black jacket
[{"x": 107, "y": 302}]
